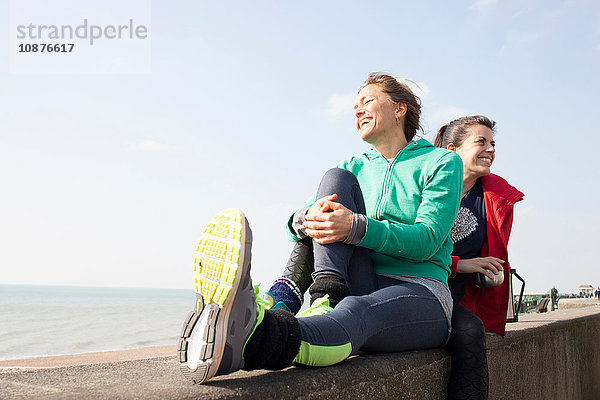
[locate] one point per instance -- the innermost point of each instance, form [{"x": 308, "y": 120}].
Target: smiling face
[
  {"x": 376, "y": 114},
  {"x": 477, "y": 151}
]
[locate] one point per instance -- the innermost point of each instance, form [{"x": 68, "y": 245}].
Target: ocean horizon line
[{"x": 93, "y": 286}]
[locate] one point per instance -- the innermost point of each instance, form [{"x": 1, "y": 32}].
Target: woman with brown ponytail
[
  {"x": 379, "y": 227},
  {"x": 480, "y": 236}
]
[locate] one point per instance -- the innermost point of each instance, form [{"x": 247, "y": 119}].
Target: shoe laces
[
  {"x": 261, "y": 302},
  {"x": 268, "y": 300},
  {"x": 319, "y": 307}
]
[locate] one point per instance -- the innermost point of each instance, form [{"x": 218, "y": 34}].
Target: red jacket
[{"x": 490, "y": 304}]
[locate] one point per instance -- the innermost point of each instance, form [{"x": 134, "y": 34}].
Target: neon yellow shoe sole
[{"x": 221, "y": 275}]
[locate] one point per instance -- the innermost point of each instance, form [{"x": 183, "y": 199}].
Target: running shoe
[
  {"x": 214, "y": 335},
  {"x": 319, "y": 307}
]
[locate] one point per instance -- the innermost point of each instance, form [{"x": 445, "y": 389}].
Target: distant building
[{"x": 586, "y": 290}]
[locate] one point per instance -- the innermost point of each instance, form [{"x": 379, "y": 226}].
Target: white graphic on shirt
[{"x": 464, "y": 226}]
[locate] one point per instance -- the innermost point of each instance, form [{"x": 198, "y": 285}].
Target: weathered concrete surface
[
  {"x": 413, "y": 375},
  {"x": 563, "y": 304},
  {"x": 554, "y": 355}
]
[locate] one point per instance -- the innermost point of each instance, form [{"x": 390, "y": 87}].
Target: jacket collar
[
  {"x": 373, "y": 154},
  {"x": 498, "y": 188}
]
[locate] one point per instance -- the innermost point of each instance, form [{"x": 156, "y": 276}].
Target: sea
[{"x": 38, "y": 321}]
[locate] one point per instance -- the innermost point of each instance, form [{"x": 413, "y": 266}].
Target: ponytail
[{"x": 439, "y": 138}]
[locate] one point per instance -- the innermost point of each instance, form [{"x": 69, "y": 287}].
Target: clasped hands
[{"x": 327, "y": 221}]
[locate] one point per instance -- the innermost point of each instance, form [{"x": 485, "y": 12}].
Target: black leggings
[{"x": 469, "y": 373}]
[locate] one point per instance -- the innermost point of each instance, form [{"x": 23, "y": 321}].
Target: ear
[
  {"x": 401, "y": 109},
  {"x": 451, "y": 147}
]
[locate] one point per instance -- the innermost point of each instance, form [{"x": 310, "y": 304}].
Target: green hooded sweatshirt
[{"x": 411, "y": 205}]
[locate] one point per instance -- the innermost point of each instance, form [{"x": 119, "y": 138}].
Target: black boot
[{"x": 301, "y": 265}]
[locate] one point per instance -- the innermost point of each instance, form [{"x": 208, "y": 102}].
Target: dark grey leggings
[
  {"x": 468, "y": 372},
  {"x": 388, "y": 316},
  {"x": 398, "y": 316}
]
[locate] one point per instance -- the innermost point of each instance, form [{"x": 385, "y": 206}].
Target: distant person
[
  {"x": 554, "y": 297},
  {"x": 380, "y": 228},
  {"x": 480, "y": 235},
  {"x": 597, "y": 293}
]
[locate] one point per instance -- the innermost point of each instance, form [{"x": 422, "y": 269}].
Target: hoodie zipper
[
  {"x": 387, "y": 177},
  {"x": 384, "y": 187}
]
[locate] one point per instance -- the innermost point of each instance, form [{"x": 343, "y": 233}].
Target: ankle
[
  {"x": 274, "y": 343},
  {"x": 330, "y": 285},
  {"x": 287, "y": 292}
]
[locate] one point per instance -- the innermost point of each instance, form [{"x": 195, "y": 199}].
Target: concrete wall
[{"x": 555, "y": 355}]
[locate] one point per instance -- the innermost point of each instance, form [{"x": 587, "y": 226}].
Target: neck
[
  {"x": 390, "y": 147},
  {"x": 468, "y": 183}
]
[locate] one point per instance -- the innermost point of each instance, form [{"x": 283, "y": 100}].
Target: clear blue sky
[{"x": 107, "y": 179}]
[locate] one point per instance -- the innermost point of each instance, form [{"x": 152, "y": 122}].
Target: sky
[{"x": 113, "y": 157}]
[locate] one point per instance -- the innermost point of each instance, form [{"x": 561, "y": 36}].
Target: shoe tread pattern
[{"x": 216, "y": 262}]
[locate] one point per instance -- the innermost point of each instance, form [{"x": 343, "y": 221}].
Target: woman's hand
[
  {"x": 488, "y": 266},
  {"x": 328, "y": 221}
]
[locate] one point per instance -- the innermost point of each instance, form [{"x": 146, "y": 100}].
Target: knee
[
  {"x": 353, "y": 305},
  {"x": 339, "y": 175},
  {"x": 466, "y": 326},
  {"x": 343, "y": 183}
]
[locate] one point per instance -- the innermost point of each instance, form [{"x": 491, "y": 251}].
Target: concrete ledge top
[
  {"x": 160, "y": 378},
  {"x": 577, "y": 302},
  {"x": 527, "y": 321}
]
